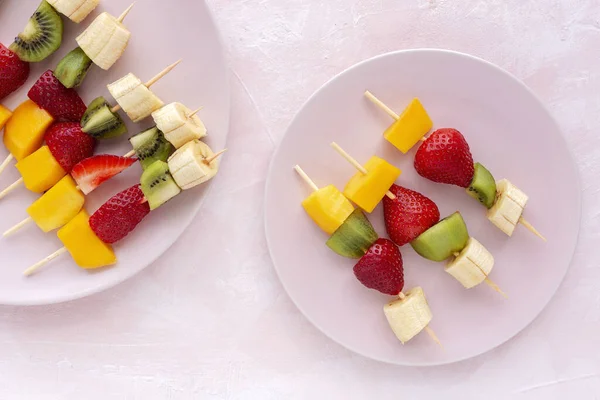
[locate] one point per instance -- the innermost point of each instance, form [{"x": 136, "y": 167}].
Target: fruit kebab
[
  {"x": 53, "y": 97},
  {"x": 380, "y": 265},
  {"x": 445, "y": 157},
  {"x": 89, "y": 239},
  {"x": 437, "y": 242},
  {"x": 97, "y": 122}
]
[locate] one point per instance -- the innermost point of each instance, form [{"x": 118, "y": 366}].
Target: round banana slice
[
  {"x": 189, "y": 165},
  {"x": 178, "y": 125}
]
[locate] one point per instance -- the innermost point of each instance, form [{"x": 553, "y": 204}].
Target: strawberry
[
  {"x": 13, "y": 72},
  {"x": 92, "y": 172},
  {"x": 381, "y": 268},
  {"x": 445, "y": 158},
  {"x": 62, "y": 103},
  {"x": 120, "y": 215},
  {"x": 408, "y": 215},
  {"x": 69, "y": 144}
]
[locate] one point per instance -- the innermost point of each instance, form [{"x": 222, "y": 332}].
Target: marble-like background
[{"x": 216, "y": 323}]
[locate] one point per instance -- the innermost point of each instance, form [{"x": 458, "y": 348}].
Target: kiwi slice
[
  {"x": 42, "y": 35},
  {"x": 100, "y": 122},
  {"x": 442, "y": 240},
  {"x": 158, "y": 185},
  {"x": 150, "y": 146},
  {"x": 354, "y": 237},
  {"x": 483, "y": 186},
  {"x": 73, "y": 68}
]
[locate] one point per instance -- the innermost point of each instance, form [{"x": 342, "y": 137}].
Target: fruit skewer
[
  {"x": 53, "y": 93},
  {"x": 439, "y": 241},
  {"x": 504, "y": 201},
  {"x": 380, "y": 265},
  {"x": 89, "y": 240},
  {"x": 109, "y": 123}
]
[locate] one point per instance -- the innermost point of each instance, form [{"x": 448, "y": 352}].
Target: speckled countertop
[{"x": 216, "y": 323}]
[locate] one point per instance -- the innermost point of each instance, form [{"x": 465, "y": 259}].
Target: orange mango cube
[
  {"x": 85, "y": 247},
  {"x": 367, "y": 190},
  {"x": 58, "y": 205},
  {"x": 328, "y": 207},
  {"x": 24, "y": 131},
  {"x": 5, "y": 115},
  {"x": 411, "y": 126},
  {"x": 40, "y": 170}
]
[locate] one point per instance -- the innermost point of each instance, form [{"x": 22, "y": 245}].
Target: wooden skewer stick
[
  {"x": 12, "y": 187},
  {"x": 429, "y": 331},
  {"x": 5, "y": 163},
  {"x": 17, "y": 227},
  {"x": 45, "y": 261},
  {"x": 356, "y": 165},
  {"x": 152, "y": 81},
  {"x": 392, "y": 114},
  {"x": 488, "y": 281},
  {"x": 306, "y": 178},
  {"x": 124, "y": 14},
  {"x": 214, "y": 157},
  {"x": 196, "y": 111}
]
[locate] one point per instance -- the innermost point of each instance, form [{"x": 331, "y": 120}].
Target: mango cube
[
  {"x": 58, "y": 205},
  {"x": 411, "y": 126},
  {"x": 328, "y": 207},
  {"x": 85, "y": 247},
  {"x": 367, "y": 190},
  {"x": 24, "y": 131},
  {"x": 5, "y": 115},
  {"x": 40, "y": 170}
]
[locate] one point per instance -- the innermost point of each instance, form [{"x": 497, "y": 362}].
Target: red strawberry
[
  {"x": 69, "y": 144},
  {"x": 445, "y": 158},
  {"x": 62, "y": 103},
  {"x": 381, "y": 268},
  {"x": 92, "y": 172},
  {"x": 120, "y": 215},
  {"x": 408, "y": 215},
  {"x": 13, "y": 72}
]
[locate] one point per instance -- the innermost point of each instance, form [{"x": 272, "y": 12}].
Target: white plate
[
  {"x": 509, "y": 131},
  {"x": 161, "y": 34}
]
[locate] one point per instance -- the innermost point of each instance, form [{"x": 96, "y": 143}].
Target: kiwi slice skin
[
  {"x": 158, "y": 185},
  {"x": 73, "y": 68},
  {"x": 442, "y": 240},
  {"x": 100, "y": 122},
  {"x": 150, "y": 146},
  {"x": 354, "y": 237},
  {"x": 483, "y": 186},
  {"x": 42, "y": 35}
]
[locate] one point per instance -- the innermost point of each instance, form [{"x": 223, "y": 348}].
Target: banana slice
[
  {"x": 75, "y": 10},
  {"x": 408, "y": 316},
  {"x": 188, "y": 165},
  {"x": 179, "y": 128},
  {"x": 134, "y": 97},
  {"x": 104, "y": 41},
  {"x": 472, "y": 265},
  {"x": 508, "y": 208}
]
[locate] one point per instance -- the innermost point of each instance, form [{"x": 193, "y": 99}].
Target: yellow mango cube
[
  {"x": 24, "y": 131},
  {"x": 40, "y": 170},
  {"x": 367, "y": 190},
  {"x": 328, "y": 207},
  {"x": 58, "y": 205},
  {"x": 85, "y": 247},
  {"x": 411, "y": 126},
  {"x": 5, "y": 115}
]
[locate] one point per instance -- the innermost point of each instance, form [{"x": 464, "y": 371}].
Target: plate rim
[
  {"x": 474, "y": 58},
  {"x": 196, "y": 209}
]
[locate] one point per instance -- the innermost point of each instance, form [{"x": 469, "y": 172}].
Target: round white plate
[
  {"x": 161, "y": 34},
  {"x": 509, "y": 131}
]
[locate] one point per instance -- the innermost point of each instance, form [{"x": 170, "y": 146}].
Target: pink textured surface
[{"x": 215, "y": 322}]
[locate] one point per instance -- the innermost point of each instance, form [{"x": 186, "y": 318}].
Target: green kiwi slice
[
  {"x": 158, "y": 185},
  {"x": 354, "y": 237},
  {"x": 483, "y": 186},
  {"x": 150, "y": 146},
  {"x": 73, "y": 68},
  {"x": 42, "y": 35},
  {"x": 442, "y": 240},
  {"x": 100, "y": 122}
]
